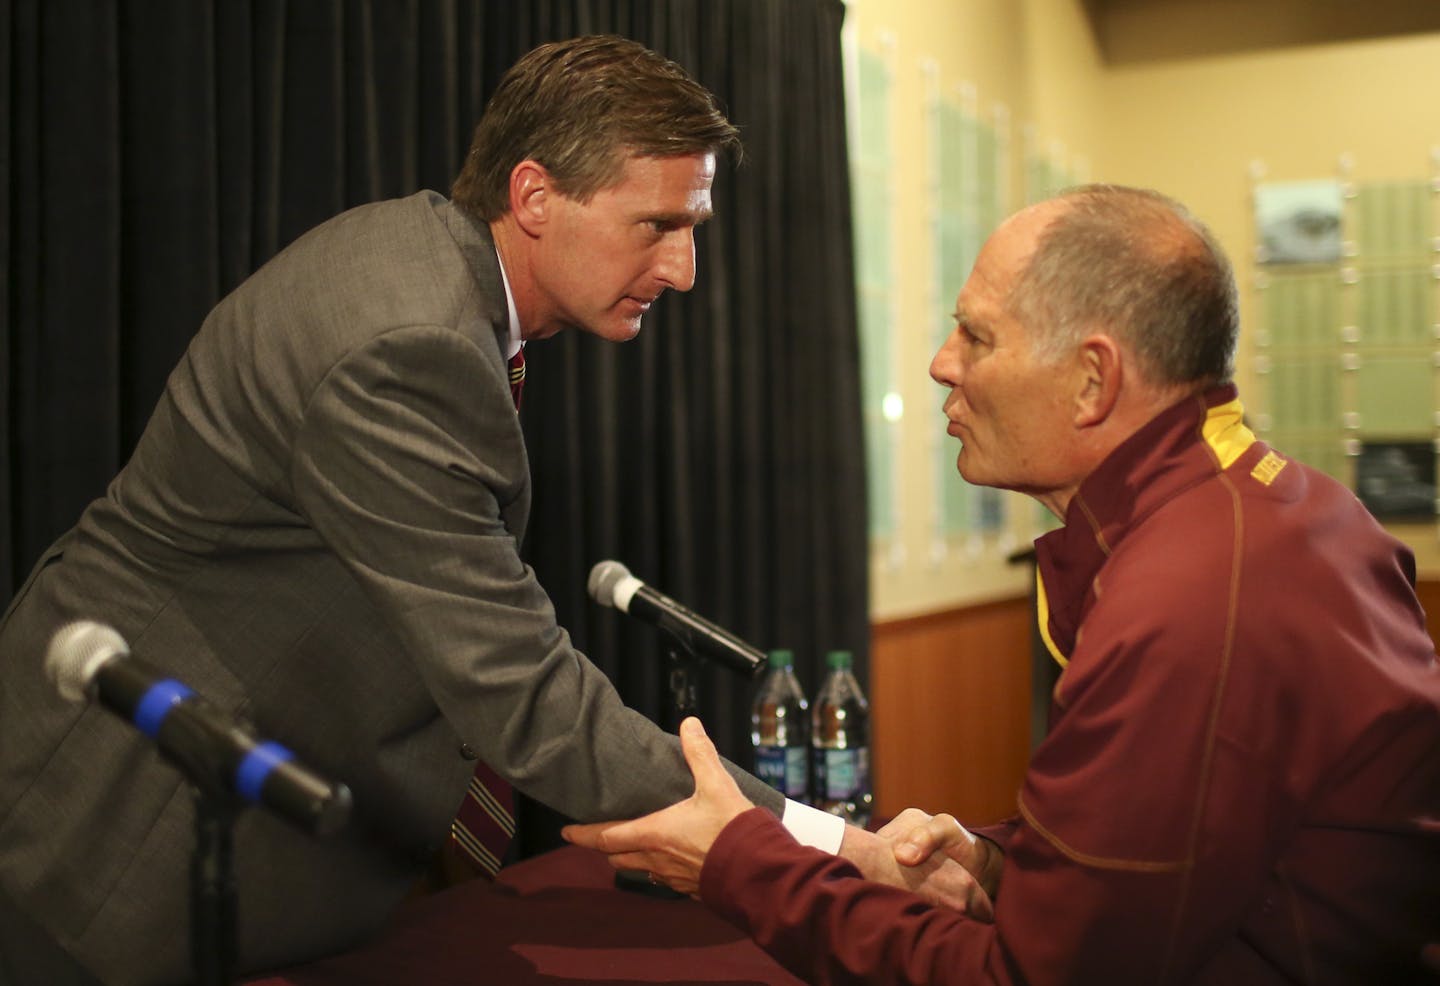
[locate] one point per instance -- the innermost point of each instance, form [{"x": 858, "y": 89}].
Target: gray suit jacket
[{"x": 318, "y": 530}]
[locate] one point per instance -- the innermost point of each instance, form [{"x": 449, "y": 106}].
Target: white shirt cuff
[{"x": 813, "y": 827}]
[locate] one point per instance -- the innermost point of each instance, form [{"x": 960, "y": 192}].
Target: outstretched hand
[
  {"x": 672, "y": 843},
  {"x": 933, "y": 856}
]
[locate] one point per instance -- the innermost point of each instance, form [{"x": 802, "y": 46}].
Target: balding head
[{"x": 1136, "y": 265}]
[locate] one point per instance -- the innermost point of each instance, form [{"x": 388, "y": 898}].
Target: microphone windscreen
[
  {"x": 76, "y": 653},
  {"x": 604, "y": 577}
]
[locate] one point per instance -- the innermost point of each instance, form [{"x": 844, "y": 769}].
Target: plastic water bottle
[
  {"x": 779, "y": 729},
  {"x": 840, "y": 733}
]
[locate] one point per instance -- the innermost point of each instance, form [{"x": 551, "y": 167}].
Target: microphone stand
[
  {"x": 680, "y": 679},
  {"x": 683, "y": 702},
  {"x": 212, "y": 887},
  {"x": 205, "y": 761}
]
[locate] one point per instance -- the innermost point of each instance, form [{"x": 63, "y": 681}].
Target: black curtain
[{"x": 156, "y": 153}]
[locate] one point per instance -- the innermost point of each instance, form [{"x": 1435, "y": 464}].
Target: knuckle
[{"x": 945, "y": 827}]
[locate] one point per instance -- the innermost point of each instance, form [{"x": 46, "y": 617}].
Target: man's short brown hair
[{"x": 580, "y": 108}]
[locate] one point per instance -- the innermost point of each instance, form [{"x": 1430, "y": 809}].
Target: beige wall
[
  {"x": 1036, "y": 60},
  {"x": 1191, "y": 127},
  {"x": 1194, "y": 127}
]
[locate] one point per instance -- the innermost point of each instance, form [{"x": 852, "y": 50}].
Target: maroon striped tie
[
  {"x": 485, "y": 821},
  {"x": 517, "y": 375}
]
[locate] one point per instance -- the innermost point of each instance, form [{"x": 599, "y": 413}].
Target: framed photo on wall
[
  {"x": 1299, "y": 222},
  {"x": 1396, "y": 480}
]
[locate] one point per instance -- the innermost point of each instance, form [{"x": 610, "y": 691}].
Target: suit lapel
[{"x": 486, "y": 309}]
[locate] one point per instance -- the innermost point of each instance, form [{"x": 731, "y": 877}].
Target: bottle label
[
  {"x": 783, "y": 768},
  {"x": 844, "y": 775},
  {"x": 770, "y": 765}
]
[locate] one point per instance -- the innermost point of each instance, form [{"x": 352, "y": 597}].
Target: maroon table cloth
[{"x": 557, "y": 918}]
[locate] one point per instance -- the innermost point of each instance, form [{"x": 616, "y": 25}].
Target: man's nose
[
  {"x": 675, "y": 265},
  {"x": 945, "y": 366}
]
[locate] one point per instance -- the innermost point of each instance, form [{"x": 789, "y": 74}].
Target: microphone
[
  {"x": 88, "y": 660},
  {"x": 611, "y": 584}
]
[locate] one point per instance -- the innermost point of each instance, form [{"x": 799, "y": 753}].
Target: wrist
[
  {"x": 869, "y": 854},
  {"x": 991, "y": 868}
]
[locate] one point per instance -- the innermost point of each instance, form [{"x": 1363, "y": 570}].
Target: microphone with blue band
[{"x": 217, "y": 752}]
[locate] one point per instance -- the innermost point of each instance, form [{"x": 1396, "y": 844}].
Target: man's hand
[{"x": 672, "y": 843}]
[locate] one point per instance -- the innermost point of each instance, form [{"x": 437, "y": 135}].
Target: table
[{"x": 556, "y": 918}]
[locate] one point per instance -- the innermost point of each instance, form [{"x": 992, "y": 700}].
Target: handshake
[{"x": 931, "y": 855}]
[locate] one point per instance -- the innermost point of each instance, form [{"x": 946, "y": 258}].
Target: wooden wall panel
[{"x": 950, "y": 710}]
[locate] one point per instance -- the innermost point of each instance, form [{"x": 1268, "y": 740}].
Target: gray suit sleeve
[{"x": 407, "y": 455}]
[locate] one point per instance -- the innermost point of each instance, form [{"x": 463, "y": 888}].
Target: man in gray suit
[{"x": 318, "y": 530}]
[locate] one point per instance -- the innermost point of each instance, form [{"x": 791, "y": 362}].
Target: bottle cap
[
  {"x": 839, "y": 660},
  {"x": 782, "y": 658}
]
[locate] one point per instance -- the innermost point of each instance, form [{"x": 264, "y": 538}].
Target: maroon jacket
[{"x": 1241, "y": 783}]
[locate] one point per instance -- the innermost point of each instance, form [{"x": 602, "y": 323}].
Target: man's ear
[
  {"x": 532, "y": 192},
  {"x": 1101, "y": 370}
]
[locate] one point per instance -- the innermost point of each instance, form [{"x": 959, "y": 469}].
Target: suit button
[{"x": 467, "y": 752}]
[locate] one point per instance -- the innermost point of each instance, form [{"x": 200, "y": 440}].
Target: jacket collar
[
  {"x": 1193, "y": 440},
  {"x": 473, "y": 237}
]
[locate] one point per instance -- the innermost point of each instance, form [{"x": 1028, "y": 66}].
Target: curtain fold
[{"x": 157, "y": 153}]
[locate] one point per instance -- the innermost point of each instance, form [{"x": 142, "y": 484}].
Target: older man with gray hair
[{"x": 1241, "y": 781}]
